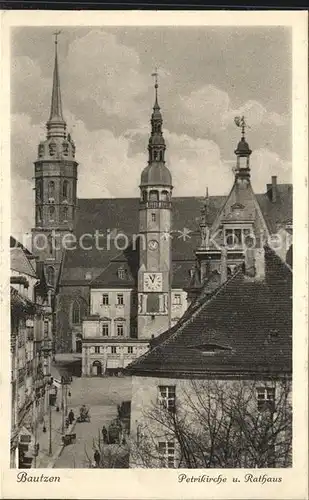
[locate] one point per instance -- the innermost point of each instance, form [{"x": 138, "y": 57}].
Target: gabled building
[
  {"x": 31, "y": 346},
  {"x": 217, "y": 386}
]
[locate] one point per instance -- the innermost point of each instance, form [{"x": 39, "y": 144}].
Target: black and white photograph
[{"x": 151, "y": 251}]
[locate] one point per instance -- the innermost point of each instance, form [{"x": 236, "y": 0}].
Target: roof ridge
[{"x": 190, "y": 319}]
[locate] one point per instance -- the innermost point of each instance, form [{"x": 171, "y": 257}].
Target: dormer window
[
  {"x": 210, "y": 349},
  {"x": 121, "y": 273}
]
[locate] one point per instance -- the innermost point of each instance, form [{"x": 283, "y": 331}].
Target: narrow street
[{"x": 101, "y": 395}]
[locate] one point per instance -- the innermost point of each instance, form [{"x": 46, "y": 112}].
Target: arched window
[
  {"x": 39, "y": 214},
  {"x": 65, "y": 190},
  {"x": 154, "y": 196},
  {"x": 161, "y": 155},
  {"x": 76, "y": 313},
  {"x": 65, "y": 213},
  {"x": 155, "y": 154},
  {"x": 145, "y": 196},
  {"x": 51, "y": 189},
  {"x": 165, "y": 196},
  {"x": 38, "y": 190},
  {"x": 50, "y": 244},
  {"x": 51, "y": 213},
  {"x": 51, "y": 275}
]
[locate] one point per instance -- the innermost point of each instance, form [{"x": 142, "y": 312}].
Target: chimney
[
  {"x": 250, "y": 262},
  {"x": 272, "y": 189},
  {"x": 223, "y": 267},
  {"x": 255, "y": 263}
]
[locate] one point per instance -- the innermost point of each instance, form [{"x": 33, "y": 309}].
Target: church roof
[
  {"x": 120, "y": 215},
  {"x": 245, "y": 327}
]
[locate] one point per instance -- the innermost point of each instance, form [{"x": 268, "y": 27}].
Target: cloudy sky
[{"x": 208, "y": 75}]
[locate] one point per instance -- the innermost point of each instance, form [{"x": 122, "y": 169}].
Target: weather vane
[
  {"x": 56, "y": 34},
  {"x": 155, "y": 75},
  {"x": 241, "y": 122}
]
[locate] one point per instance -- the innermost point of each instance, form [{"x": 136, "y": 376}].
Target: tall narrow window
[
  {"x": 114, "y": 350},
  {"x": 65, "y": 213},
  {"x": 50, "y": 245},
  {"x": 167, "y": 397},
  {"x": 177, "y": 299},
  {"x": 120, "y": 300},
  {"x": 38, "y": 190},
  {"x": 51, "y": 275},
  {"x": 153, "y": 217},
  {"x": 51, "y": 189},
  {"x": 167, "y": 454},
  {"x": 76, "y": 313},
  {"x": 105, "y": 329},
  {"x": 39, "y": 214},
  {"x": 65, "y": 190},
  {"x": 265, "y": 398},
  {"x": 105, "y": 299},
  {"x": 120, "y": 330},
  {"x": 51, "y": 213},
  {"x": 164, "y": 195}
]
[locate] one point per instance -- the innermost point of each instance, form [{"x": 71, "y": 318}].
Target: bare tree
[{"x": 219, "y": 424}]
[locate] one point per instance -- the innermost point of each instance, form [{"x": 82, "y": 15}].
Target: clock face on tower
[
  {"x": 153, "y": 245},
  {"x": 153, "y": 282}
]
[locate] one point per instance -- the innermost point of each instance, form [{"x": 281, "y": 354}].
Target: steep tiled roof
[
  {"x": 109, "y": 216},
  {"x": 244, "y": 327},
  {"x": 20, "y": 262}
]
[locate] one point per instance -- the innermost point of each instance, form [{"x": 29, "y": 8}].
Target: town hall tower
[{"x": 154, "y": 276}]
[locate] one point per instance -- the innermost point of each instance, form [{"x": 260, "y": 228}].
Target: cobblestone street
[{"x": 101, "y": 395}]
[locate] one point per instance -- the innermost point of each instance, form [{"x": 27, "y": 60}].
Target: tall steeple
[
  {"x": 156, "y": 146},
  {"x": 56, "y": 126}
]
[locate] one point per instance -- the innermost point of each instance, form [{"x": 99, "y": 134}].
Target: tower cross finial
[{"x": 155, "y": 75}]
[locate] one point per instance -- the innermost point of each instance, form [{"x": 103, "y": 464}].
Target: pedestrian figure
[
  {"x": 71, "y": 417},
  {"x": 104, "y": 434},
  {"x": 97, "y": 458}
]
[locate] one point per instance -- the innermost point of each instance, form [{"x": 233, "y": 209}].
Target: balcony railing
[{"x": 155, "y": 204}]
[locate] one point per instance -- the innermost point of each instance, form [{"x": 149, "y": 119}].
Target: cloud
[
  {"x": 106, "y": 72},
  {"x": 265, "y": 163},
  {"x": 210, "y": 109}
]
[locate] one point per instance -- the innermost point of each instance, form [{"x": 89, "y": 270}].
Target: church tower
[
  {"x": 154, "y": 277},
  {"x": 55, "y": 187}
]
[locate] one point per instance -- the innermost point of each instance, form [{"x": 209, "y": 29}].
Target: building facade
[
  {"x": 156, "y": 251},
  {"x": 31, "y": 337},
  {"x": 215, "y": 390}
]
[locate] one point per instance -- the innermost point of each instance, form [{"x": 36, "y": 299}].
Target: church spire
[
  {"x": 156, "y": 146},
  {"x": 56, "y": 125}
]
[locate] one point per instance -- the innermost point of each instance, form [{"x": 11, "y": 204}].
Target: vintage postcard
[{"x": 154, "y": 255}]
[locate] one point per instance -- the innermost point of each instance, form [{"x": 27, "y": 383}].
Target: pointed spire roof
[
  {"x": 156, "y": 173},
  {"x": 56, "y": 125}
]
